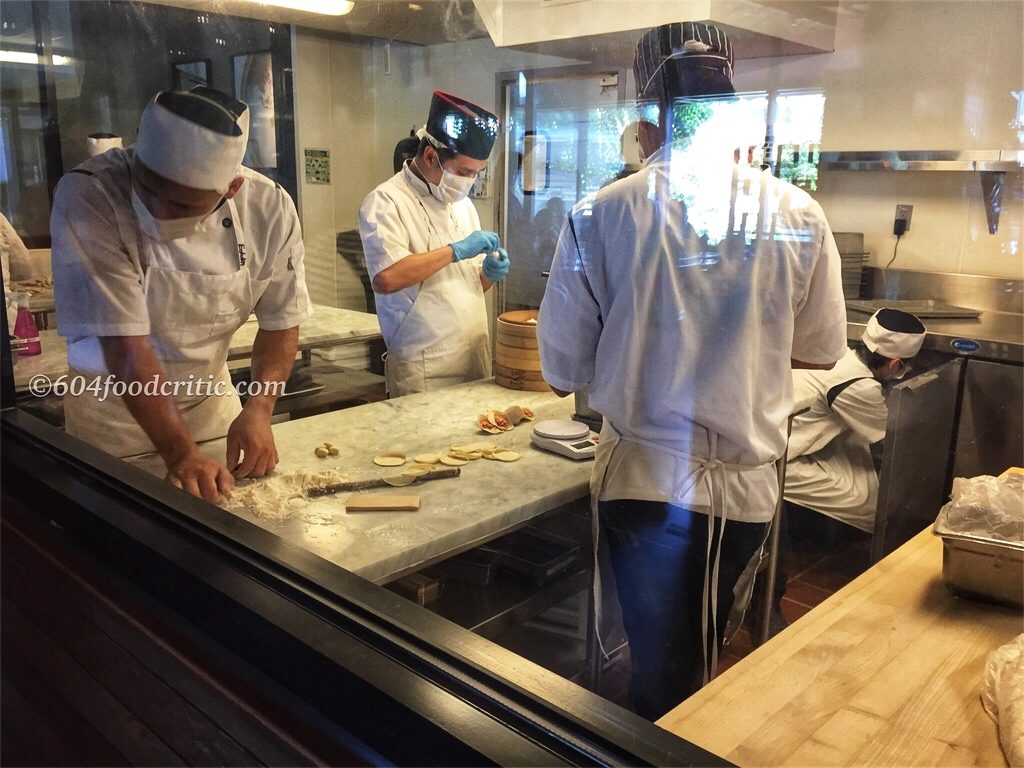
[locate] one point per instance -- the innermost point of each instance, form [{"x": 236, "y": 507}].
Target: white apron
[
  {"x": 443, "y": 340},
  {"x": 710, "y": 470},
  {"x": 192, "y": 319}
]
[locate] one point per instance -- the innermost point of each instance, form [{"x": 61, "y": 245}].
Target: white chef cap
[
  {"x": 895, "y": 334},
  {"x": 195, "y": 138}
]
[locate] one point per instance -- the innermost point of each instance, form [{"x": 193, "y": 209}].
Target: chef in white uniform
[
  {"x": 683, "y": 302},
  {"x": 429, "y": 262},
  {"x": 160, "y": 253},
  {"x": 829, "y": 468}
]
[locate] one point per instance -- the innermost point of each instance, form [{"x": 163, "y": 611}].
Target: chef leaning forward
[
  {"x": 830, "y": 469},
  {"x": 160, "y": 253},
  {"x": 429, "y": 262},
  {"x": 682, "y": 296}
]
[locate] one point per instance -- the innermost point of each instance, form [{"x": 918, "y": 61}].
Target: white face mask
[
  {"x": 453, "y": 188},
  {"x": 166, "y": 230}
]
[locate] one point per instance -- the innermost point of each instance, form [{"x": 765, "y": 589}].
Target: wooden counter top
[{"x": 887, "y": 671}]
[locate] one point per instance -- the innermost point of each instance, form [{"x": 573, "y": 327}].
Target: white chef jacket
[
  {"x": 830, "y": 469},
  {"x": 684, "y": 344},
  {"x": 399, "y": 218},
  {"x": 188, "y": 295},
  {"x": 98, "y": 271}
]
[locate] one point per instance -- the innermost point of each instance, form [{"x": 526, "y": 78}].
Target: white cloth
[
  {"x": 188, "y": 296},
  {"x": 830, "y": 469},
  {"x": 436, "y": 332},
  {"x": 685, "y": 345}
]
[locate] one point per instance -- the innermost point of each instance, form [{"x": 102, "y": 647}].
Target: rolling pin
[{"x": 362, "y": 485}]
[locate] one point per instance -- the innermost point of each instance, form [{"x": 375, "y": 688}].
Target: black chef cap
[
  {"x": 461, "y": 126},
  {"x": 681, "y": 59}
]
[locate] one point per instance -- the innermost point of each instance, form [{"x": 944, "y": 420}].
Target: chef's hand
[
  {"x": 475, "y": 244},
  {"x": 496, "y": 265},
  {"x": 251, "y": 438},
  {"x": 201, "y": 476}
]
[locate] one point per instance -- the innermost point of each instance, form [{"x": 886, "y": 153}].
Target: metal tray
[
  {"x": 921, "y": 308},
  {"x": 982, "y": 568}
]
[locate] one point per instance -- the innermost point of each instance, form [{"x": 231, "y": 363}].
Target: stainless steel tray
[
  {"x": 921, "y": 308},
  {"x": 983, "y": 568}
]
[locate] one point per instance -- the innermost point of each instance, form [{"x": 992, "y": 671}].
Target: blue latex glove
[
  {"x": 496, "y": 267},
  {"x": 475, "y": 244}
]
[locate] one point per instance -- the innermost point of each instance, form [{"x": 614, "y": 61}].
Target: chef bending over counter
[{"x": 160, "y": 253}]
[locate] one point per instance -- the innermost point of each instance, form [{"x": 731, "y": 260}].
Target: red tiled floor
[
  {"x": 805, "y": 592},
  {"x": 791, "y": 611}
]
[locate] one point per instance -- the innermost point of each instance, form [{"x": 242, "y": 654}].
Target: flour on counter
[{"x": 281, "y": 494}]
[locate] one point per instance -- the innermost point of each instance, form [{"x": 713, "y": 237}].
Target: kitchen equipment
[
  {"x": 982, "y": 531},
  {"x": 516, "y": 357},
  {"x": 983, "y": 568},
  {"x": 922, "y": 308},
  {"x": 853, "y": 259},
  {"x": 565, "y": 437},
  {"x": 25, "y": 329},
  {"x": 381, "y": 502},
  {"x": 362, "y": 485},
  {"x": 533, "y": 553},
  {"x": 584, "y": 412}
]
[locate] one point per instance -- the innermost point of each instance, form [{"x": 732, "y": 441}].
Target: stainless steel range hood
[{"x": 606, "y": 31}]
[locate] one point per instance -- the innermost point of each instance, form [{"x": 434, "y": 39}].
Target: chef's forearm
[
  {"x": 413, "y": 269},
  {"x": 131, "y": 359},
  {"x": 273, "y": 355},
  {"x": 484, "y": 282}
]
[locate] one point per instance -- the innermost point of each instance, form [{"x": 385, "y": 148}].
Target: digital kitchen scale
[{"x": 565, "y": 437}]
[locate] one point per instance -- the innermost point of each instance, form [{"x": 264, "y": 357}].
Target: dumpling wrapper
[
  {"x": 415, "y": 471},
  {"x": 427, "y": 458},
  {"x": 389, "y": 459},
  {"x": 506, "y": 456},
  {"x": 452, "y": 461},
  {"x": 400, "y": 480}
]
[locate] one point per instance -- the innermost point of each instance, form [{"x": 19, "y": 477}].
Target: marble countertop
[
  {"x": 329, "y": 327},
  {"x": 488, "y": 499}
]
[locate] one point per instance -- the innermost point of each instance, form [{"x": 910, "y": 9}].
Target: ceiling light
[
  {"x": 27, "y": 57},
  {"x": 326, "y": 7},
  {"x": 415, "y": 7},
  {"x": 19, "y": 57}
]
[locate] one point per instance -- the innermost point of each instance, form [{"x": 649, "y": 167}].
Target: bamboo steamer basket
[
  {"x": 522, "y": 385},
  {"x": 516, "y": 357},
  {"x": 517, "y": 373}
]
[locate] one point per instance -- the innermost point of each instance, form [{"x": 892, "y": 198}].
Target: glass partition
[{"x": 827, "y": 140}]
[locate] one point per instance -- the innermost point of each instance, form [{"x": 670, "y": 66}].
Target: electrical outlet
[{"x": 904, "y": 212}]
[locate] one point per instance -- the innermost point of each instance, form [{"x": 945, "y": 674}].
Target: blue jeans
[{"x": 658, "y": 553}]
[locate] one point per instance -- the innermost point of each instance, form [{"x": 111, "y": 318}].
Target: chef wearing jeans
[
  {"x": 683, "y": 299},
  {"x": 428, "y": 259}
]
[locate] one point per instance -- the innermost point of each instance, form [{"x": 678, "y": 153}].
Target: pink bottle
[{"x": 25, "y": 329}]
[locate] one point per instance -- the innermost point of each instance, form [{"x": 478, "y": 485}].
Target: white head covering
[
  {"x": 894, "y": 334},
  {"x": 98, "y": 143},
  {"x": 196, "y": 139}
]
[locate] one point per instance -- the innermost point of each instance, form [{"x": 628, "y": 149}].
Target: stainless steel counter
[{"x": 998, "y": 334}]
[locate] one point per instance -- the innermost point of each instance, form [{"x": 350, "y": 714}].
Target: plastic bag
[
  {"x": 985, "y": 506},
  {"x": 1002, "y": 695}
]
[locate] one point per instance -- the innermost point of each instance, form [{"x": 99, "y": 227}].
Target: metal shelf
[{"x": 924, "y": 160}]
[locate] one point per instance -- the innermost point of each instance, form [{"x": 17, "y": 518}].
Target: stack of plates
[
  {"x": 516, "y": 357},
  {"x": 853, "y": 257}
]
